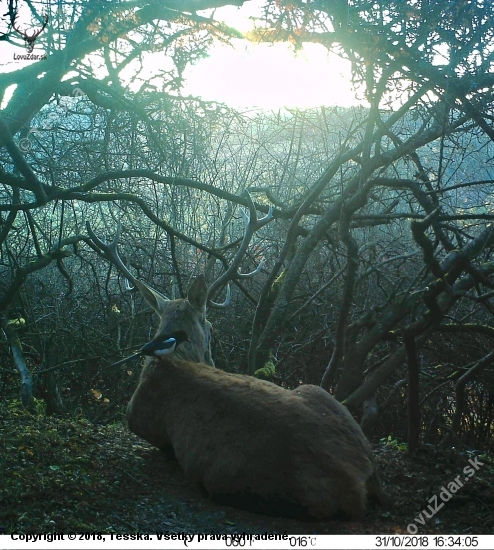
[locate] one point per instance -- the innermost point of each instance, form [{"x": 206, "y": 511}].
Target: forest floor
[{"x": 62, "y": 475}]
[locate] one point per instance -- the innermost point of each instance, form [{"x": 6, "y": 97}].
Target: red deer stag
[{"x": 248, "y": 442}]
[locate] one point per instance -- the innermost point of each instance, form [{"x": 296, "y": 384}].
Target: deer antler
[
  {"x": 111, "y": 253},
  {"x": 212, "y": 260},
  {"x": 252, "y": 224},
  {"x": 30, "y": 38},
  {"x": 208, "y": 270}
]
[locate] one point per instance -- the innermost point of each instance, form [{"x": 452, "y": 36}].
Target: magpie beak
[{"x": 164, "y": 344}]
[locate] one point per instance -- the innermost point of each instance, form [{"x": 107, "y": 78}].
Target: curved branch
[{"x": 31, "y": 181}]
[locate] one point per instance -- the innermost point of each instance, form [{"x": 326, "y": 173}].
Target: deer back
[{"x": 253, "y": 444}]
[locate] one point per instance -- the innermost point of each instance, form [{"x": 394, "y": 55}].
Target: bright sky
[
  {"x": 253, "y": 75},
  {"x": 268, "y": 76}
]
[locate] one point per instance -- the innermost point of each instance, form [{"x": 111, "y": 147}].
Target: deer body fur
[{"x": 252, "y": 443}]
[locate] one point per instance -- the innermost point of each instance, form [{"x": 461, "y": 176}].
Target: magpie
[
  {"x": 160, "y": 346},
  {"x": 164, "y": 344}
]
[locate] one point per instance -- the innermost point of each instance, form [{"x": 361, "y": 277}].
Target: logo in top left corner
[{"x": 22, "y": 20}]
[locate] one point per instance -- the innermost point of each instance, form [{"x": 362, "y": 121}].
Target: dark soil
[{"x": 62, "y": 475}]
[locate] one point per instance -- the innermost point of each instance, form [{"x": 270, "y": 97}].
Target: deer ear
[
  {"x": 152, "y": 297},
  {"x": 198, "y": 293}
]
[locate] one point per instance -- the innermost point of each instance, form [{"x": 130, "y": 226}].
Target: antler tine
[
  {"x": 226, "y": 303},
  {"x": 252, "y": 220},
  {"x": 252, "y": 224},
  {"x": 224, "y": 226},
  {"x": 111, "y": 253},
  {"x": 268, "y": 217},
  {"x": 252, "y": 273},
  {"x": 212, "y": 260}
]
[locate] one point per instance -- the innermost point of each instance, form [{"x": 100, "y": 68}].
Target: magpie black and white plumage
[
  {"x": 164, "y": 344},
  {"x": 161, "y": 345}
]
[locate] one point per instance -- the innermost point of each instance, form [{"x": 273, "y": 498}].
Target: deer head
[
  {"x": 189, "y": 314},
  {"x": 29, "y": 38}
]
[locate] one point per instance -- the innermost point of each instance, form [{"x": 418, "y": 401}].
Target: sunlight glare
[
  {"x": 268, "y": 76},
  {"x": 271, "y": 76}
]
